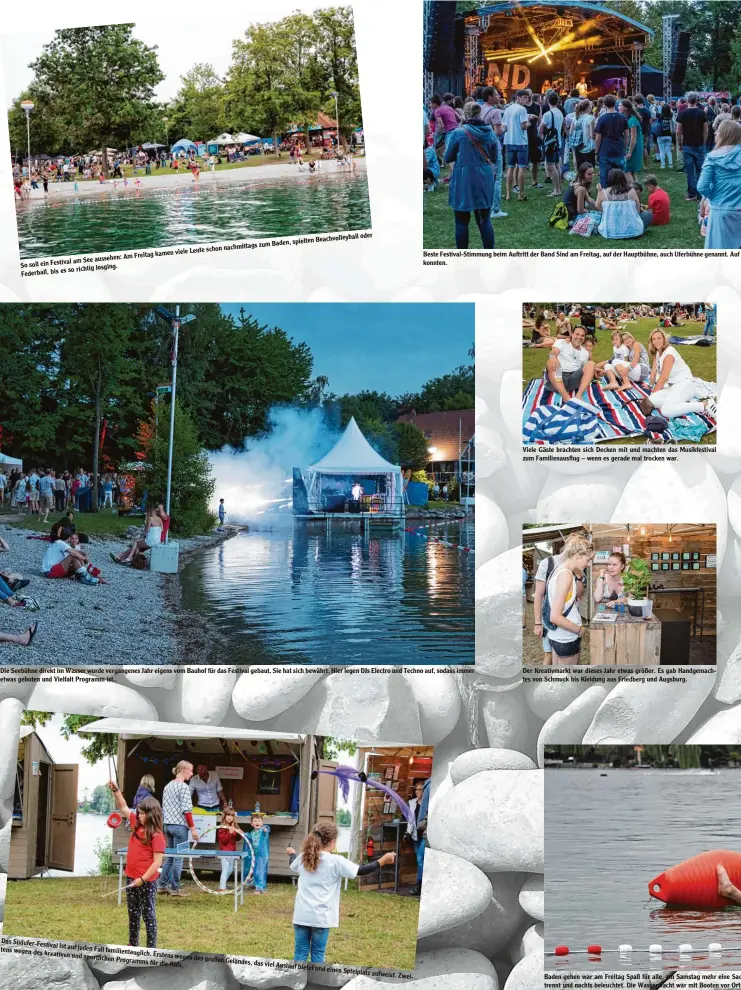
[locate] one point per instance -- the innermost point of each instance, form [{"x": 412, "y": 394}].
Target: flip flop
[{"x": 32, "y": 630}]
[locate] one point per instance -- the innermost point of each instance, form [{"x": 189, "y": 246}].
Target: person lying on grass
[
  {"x": 144, "y": 858},
  {"x": 317, "y": 906},
  {"x": 64, "y": 559}
]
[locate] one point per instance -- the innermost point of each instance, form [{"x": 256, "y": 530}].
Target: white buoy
[
  {"x": 715, "y": 947},
  {"x": 685, "y": 949},
  {"x": 655, "y": 949},
  {"x": 625, "y": 951}
]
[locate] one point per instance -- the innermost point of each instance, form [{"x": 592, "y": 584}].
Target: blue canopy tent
[{"x": 185, "y": 145}]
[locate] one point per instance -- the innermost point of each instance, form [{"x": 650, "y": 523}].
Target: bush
[{"x": 104, "y": 851}]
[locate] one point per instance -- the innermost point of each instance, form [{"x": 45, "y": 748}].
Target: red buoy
[
  {"x": 561, "y": 950},
  {"x": 693, "y": 883},
  {"x": 594, "y": 950},
  {"x": 114, "y": 820}
]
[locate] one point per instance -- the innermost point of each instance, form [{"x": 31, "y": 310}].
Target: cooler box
[{"x": 164, "y": 558}]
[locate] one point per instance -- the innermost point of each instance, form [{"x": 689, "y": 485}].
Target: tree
[
  {"x": 102, "y": 802},
  {"x": 338, "y": 57},
  {"x": 100, "y": 81},
  {"x": 412, "y": 446},
  {"x": 258, "y": 98},
  {"x": 94, "y": 361},
  {"x": 343, "y": 817},
  {"x": 100, "y": 745},
  {"x": 453, "y": 391},
  {"x": 192, "y": 484},
  {"x": 331, "y": 747},
  {"x": 200, "y": 99}
]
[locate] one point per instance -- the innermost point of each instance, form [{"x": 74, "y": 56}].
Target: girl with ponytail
[{"x": 320, "y": 871}]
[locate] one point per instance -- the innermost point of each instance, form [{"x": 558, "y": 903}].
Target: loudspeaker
[
  {"x": 441, "y": 42},
  {"x": 679, "y": 59}
]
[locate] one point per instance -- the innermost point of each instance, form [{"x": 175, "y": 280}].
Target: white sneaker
[
  {"x": 499, "y": 216},
  {"x": 711, "y": 408}
]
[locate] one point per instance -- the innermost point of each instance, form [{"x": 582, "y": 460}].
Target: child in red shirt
[
  {"x": 226, "y": 840},
  {"x": 658, "y": 201},
  {"x": 143, "y": 864}
]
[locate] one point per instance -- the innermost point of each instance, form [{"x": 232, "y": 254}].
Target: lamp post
[
  {"x": 175, "y": 322},
  {"x": 167, "y": 140},
  {"x": 27, "y": 106},
  {"x": 337, "y": 115}
]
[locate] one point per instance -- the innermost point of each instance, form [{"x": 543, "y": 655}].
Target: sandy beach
[
  {"x": 130, "y": 620},
  {"x": 166, "y": 181}
]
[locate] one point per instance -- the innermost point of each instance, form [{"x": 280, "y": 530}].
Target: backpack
[
  {"x": 550, "y": 136},
  {"x": 559, "y": 219},
  {"x": 545, "y": 610}
]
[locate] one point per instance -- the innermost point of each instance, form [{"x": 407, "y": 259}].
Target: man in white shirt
[
  {"x": 515, "y": 122},
  {"x": 63, "y": 559},
  {"x": 569, "y": 367},
  {"x": 205, "y": 786},
  {"x": 3, "y": 486},
  {"x": 356, "y": 491}
]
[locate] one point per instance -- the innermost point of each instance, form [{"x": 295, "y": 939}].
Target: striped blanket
[{"x": 620, "y": 414}]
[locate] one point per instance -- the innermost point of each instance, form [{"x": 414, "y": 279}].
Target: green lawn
[
  {"x": 702, "y": 360},
  {"x": 527, "y": 223},
  {"x": 250, "y": 162},
  {"x": 104, "y": 523},
  {"x": 376, "y": 929}
]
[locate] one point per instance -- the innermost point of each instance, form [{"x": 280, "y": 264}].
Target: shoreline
[
  {"x": 134, "y": 619},
  {"x": 258, "y": 175}
]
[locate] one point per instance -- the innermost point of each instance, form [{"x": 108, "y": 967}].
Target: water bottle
[{"x": 559, "y": 373}]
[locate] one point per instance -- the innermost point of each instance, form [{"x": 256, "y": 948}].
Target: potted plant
[{"x": 636, "y": 580}]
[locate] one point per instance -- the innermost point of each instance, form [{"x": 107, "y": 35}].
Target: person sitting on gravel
[
  {"x": 20, "y": 639},
  {"x": 153, "y": 536},
  {"x": 67, "y": 522},
  {"x": 13, "y": 580},
  {"x": 63, "y": 559}
]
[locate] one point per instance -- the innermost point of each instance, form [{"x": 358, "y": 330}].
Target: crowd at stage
[{"x": 599, "y": 160}]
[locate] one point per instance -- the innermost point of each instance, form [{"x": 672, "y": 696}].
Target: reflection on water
[
  {"x": 606, "y": 837},
  {"x": 162, "y": 219},
  {"x": 308, "y": 595}
]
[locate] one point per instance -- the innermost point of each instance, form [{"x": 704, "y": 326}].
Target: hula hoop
[
  {"x": 114, "y": 819},
  {"x": 245, "y": 878}
]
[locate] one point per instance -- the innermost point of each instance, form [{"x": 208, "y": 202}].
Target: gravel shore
[{"x": 131, "y": 620}]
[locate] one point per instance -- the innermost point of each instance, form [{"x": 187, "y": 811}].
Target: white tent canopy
[
  {"x": 7, "y": 461},
  {"x": 353, "y": 456},
  {"x": 243, "y": 138},
  {"x": 136, "y": 729},
  {"x": 223, "y": 139}
]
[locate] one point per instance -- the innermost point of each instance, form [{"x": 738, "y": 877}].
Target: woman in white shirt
[
  {"x": 317, "y": 906},
  {"x": 563, "y": 602},
  {"x": 672, "y": 385}
]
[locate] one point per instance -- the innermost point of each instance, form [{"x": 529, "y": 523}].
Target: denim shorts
[
  {"x": 546, "y": 643},
  {"x": 516, "y": 155}
]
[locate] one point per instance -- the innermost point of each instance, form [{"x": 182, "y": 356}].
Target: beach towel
[
  {"x": 570, "y": 422},
  {"x": 700, "y": 340},
  {"x": 619, "y": 414}
]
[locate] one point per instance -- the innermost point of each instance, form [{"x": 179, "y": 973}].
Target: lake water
[
  {"x": 606, "y": 837},
  {"x": 301, "y": 595},
  {"x": 173, "y": 218}
]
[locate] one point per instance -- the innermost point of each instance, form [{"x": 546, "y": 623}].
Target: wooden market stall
[
  {"x": 44, "y": 811},
  {"x": 269, "y": 769},
  {"x": 383, "y": 826}
]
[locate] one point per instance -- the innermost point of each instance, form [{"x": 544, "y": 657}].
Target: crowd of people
[
  {"x": 158, "y": 827},
  {"x": 491, "y": 145},
  {"x": 40, "y": 490}
]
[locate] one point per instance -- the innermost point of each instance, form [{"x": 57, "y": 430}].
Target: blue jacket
[
  {"x": 474, "y": 148},
  {"x": 720, "y": 179}
]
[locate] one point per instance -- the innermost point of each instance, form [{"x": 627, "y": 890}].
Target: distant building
[{"x": 450, "y": 441}]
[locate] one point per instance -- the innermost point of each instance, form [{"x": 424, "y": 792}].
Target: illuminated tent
[{"x": 353, "y": 460}]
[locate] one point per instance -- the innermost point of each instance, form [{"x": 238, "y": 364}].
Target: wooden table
[{"x": 627, "y": 642}]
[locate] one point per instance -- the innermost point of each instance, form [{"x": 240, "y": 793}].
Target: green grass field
[
  {"x": 376, "y": 929},
  {"x": 702, "y": 360},
  {"x": 104, "y": 523},
  {"x": 527, "y": 223}
]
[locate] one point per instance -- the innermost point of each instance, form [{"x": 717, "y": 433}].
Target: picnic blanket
[
  {"x": 700, "y": 339},
  {"x": 614, "y": 416}
]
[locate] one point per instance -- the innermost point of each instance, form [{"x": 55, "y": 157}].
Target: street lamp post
[
  {"x": 337, "y": 115},
  {"x": 27, "y": 106},
  {"x": 167, "y": 140},
  {"x": 175, "y": 323}
]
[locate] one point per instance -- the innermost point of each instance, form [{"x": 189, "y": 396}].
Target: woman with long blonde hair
[
  {"x": 320, "y": 872},
  {"x": 565, "y": 622},
  {"x": 672, "y": 384},
  {"x": 720, "y": 184}
]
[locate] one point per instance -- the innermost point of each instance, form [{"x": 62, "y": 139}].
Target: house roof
[
  {"x": 444, "y": 430},
  {"x": 352, "y": 454}
]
